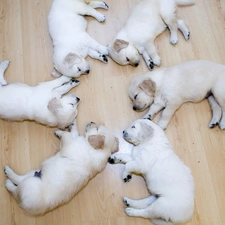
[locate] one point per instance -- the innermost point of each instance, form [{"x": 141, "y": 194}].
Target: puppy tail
[{"x": 184, "y": 2}]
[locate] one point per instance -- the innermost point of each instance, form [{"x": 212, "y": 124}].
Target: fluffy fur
[
  {"x": 167, "y": 88},
  {"x": 168, "y": 179},
  {"x": 43, "y": 103},
  {"x": 63, "y": 175},
  {"x": 71, "y": 42},
  {"x": 147, "y": 20}
]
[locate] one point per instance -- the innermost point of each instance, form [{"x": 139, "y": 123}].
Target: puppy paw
[
  {"x": 103, "y": 58},
  {"x": 101, "y": 18},
  {"x": 187, "y": 35},
  {"x": 173, "y": 40},
  {"x": 156, "y": 60},
  {"x": 129, "y": 211},
  {"x": 105, "y": 6},
  {"x": 147, "y": 116},
  {"x": 222, "y": 125},
  {"x": 7, "y": 171},
  {"x": 74, "y": 82},
  {"x": 127, "y": 178},
  {"x": 113, "y": 160},
  {"x": 58, "y": 133},
  {"x": 126, "y": 201},
  {"x": 150, "y": 64},
  {"x": 163, "y": 125}
]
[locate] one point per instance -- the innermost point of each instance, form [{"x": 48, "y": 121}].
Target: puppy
[
  {"x": 66, "y": 173},
  {"x": 147, "y": 20},
  {"x": 71, "y": 42},
  {"x": 167, "y": 88},
  {"x": 43, "y": 103},
  {"x": 168, "y": 179}
]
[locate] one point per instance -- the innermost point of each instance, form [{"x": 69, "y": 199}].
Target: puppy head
[
  {"x": 75, "y": 65},
  {"x": 124, "y": 53},
  {"x": 140, "y": 131},
  {"x": 99, "y": 137},
  {"x": 142, "y": 92},
  {"x": 64, "y": 109}
]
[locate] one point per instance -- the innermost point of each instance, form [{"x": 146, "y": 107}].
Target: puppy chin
[{"x": 140, "y": 108}]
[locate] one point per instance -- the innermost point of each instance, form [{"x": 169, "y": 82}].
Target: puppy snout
[
  {"x": 87, "y": 71},
  {"x": 134, "y": 108},
  {"x": 123, "y": 131},
  {"x": 77, "y": 99},
  {"x": 136, "y": 64}
]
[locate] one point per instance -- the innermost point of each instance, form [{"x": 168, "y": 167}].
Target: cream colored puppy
[
  {"x": 147, "y": 20},
  {"x": 43, "y": 103},
  {"x": 168, "y": 179},
  {"x": 167, "y": 88},
  {"x": 71, "y": 42},
  {"x": 66, "y": 173}
]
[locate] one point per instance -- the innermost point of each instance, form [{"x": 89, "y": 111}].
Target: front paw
[
  {"x": 58, "y": 133},
  {"x": 126, "y": 201},
  {"x": 4, "y": 64},
  {"x": 113, "y": 160},
  {"x": 105, "y": 6},
  {"x": 127, "y": 177},
  {"x": 150, "y": 64},
  {"x": 147, "y": 116},
  {"x": 101, "y": 18},
  {"x": 103, "y": 58}
]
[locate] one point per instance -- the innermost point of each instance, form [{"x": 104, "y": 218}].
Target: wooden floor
[{"x": 24, "y": 40}]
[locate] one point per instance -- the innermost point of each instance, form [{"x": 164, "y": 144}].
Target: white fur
[
  {"x": 148, "y": 19},
  {"x": 43, "y": 103},
  {"x": 64, "y": 174},
  {"x": 168, "y": 179},
  {"x": 71, "y": 42},
  {"x": 167, "y": 88}
]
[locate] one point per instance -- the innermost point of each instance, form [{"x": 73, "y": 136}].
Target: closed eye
[
  {"x": 135, "y": 97},
  {"x": 133, "y": 127},
  {"x": 78, "y": 69},
  {"x": 71, "y": 104},
  {"x": 127, "y": 59}
]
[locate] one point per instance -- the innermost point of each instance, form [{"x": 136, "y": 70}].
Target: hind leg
[
  {"x": 216, "y": 112},
  {"x": 222, "y": 121},
  {"x": 183, "y": 28},
  {"x": 3, "y": 66},
  {"x": 88, "y": 10},
  {"x": 140, "y": 203},
  {"x": 15, "y": 178}
]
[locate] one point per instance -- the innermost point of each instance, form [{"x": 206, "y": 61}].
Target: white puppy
[
  {"x": 66, "y": 173},
  {"x": 43, "y": 103},
  {"x": 167, "y": 88},
  {"x": 168, "y": 179},
  {"x": 71, "y": 42},
  {"x": 147, "y": 20}
]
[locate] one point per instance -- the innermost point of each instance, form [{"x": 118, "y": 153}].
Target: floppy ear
[
  {"x": 148, "y": 86},
  {"x": 72, "y": 58},
  {"x": 146, "y": 131},
  {"x": 54, "y": 104},
  {"x": 97, "y": 141},
  {"x": 120, "y": 44}
]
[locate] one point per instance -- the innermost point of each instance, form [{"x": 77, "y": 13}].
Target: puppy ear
[
  {"x": 97, "y": 141},
  {"x": 54, "y": 104},
  {"x": 72, "y": 58},
  {"x": 120, "y": 44},
  {"x": 148, "y": 86},
  {"x": 146, "y": 131}
]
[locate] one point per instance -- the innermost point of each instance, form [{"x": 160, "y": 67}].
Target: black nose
[
  {"x": 134, "y": 108},
  {"x": 78, "y": 99},
  {"x": 123, "y": 131},
  {"x": 87, "y": 71},
  {"x": 136, "y": 64}
]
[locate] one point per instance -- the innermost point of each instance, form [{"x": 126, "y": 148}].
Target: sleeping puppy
[
  {"x": 71, "y": 42},
  {"x": 168, "y": 179},
  {"x": 43, "y": 103},
  {"x": 147, "y": 20},
  {"x": 167, "y": 88},
  {"x": 66, "y": 173}
]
